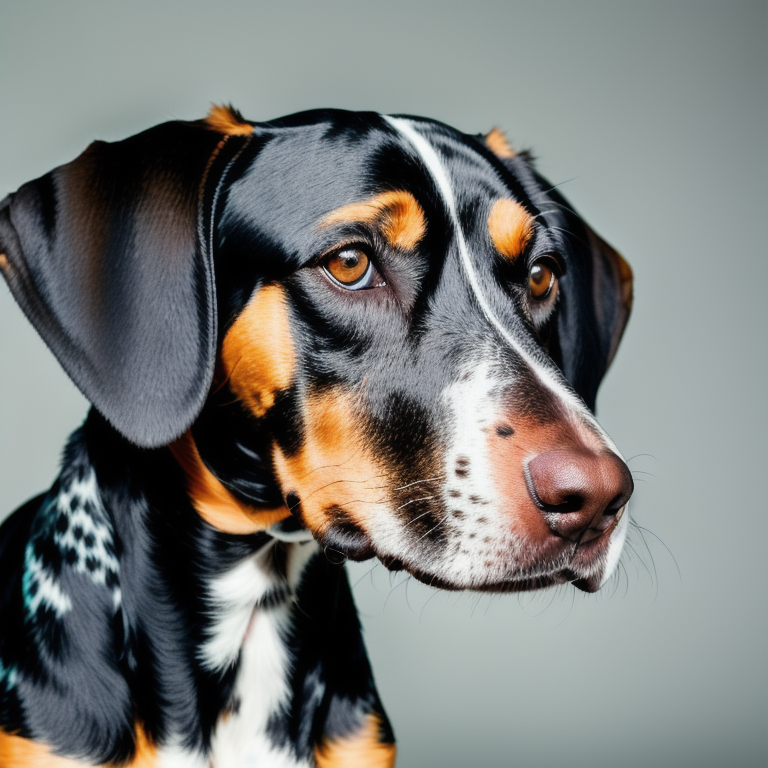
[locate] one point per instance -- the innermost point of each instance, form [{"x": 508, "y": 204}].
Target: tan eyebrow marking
[
  {"x": 228, "y": 120},
  {"x": 510, "y": 227},
  {"x": 497, "y": 142},
  {"x": 400, "y": 218}
]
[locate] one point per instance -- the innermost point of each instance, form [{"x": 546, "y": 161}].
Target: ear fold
[{"x": 110, "y": 259}]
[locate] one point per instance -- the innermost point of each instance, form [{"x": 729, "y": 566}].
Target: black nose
[{"x": 579, "y": 492}]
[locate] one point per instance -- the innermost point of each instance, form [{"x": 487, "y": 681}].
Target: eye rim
[
  {"x": 549, "y": 263},
  {"x": 370, "y": 277}
]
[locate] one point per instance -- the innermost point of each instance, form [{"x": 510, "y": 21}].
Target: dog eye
[
  {"x": 351, "y": 268},
  {"x": 542, "y": 280}
]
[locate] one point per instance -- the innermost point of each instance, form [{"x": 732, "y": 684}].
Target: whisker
[
  {"x": 432, "y": 597},
  {"x": 640, "y": 455},
  {"x": 568, "y": 233},
  {"x": 416, "y": 482},
  {"x": 418, "y": 517},
  {"x": 570, "y": 608},
  {"x": 555, "y": 186},
  {"x": 413, "y": 501},
  {"x": 362, "y": 501},
  {"x": 328, "y": 485},
  {"x": 544, "y": 211},
  {"x": 391, "y": 592},
  {"x": 433, "y": 529},
  {"x": 333, "y": 466},
  {"x": 640, "y": 529},
  {"x": 554, "y": 202},
  {"x": 655, "y": 577},
  {"x": 631, "y": 547},
  {"x": 367, "y": 573}
]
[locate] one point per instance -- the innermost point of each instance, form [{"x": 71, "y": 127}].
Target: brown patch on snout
[
  {"x": 213, "y": 502},
  {"x": 227, "y": 120},
  {"x": 397, "y": 214},
  {"x": 557, "y": 479},
  {"x": 497, "y": 142},
  {"x": 510, "y": 227},
  {"x": 363, "y": 749},
  {"x": 257, "y": 355},
  {"x": 333, "y": 481}
]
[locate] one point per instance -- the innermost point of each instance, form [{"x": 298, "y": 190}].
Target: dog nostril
[
  {"x": 578, "y": 490},
  {"x": 572, "y": 503},
  {"x": 617, "y": 503}
]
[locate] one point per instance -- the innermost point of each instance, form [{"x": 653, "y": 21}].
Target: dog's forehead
[{"x": 293, "y": 176}]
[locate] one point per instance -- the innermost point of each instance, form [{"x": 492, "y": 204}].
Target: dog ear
[
  {"x": 110, "y": 258},
  {"x": 612, "y": 293},
  {"x": 595, "y": 305}
]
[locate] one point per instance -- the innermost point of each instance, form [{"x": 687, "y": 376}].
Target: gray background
[{"x": 653, "y": 116}]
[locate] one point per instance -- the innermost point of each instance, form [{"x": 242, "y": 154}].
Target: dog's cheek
[
  {"x": 332, "y": 481},
  {"x": 258, "y": 357}
]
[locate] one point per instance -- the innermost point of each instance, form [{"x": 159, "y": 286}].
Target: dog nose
[{"x": 579, "y": 492}]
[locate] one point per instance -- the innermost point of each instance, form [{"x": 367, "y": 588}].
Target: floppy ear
[
  {"x": 110, "y": 259},
  {"x": 612, "y": 292},
  {"x": 594, "y": 308}
]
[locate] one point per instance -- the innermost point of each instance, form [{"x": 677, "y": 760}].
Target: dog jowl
[{"x": 331, "y": 336}]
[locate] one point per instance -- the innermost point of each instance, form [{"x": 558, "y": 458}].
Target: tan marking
[
  {"x": 146, "y": 753},
  {"x": 497, "y": 142},
  {"x": 257, "y": 355},
  {"x": 510, "y": 226},
  {"x": 398, "y": 214},
  {"x": 626, "y": 280},
  {"x": 227, "y": 120},
  {"x": 362, "y": 750},
  {"x": 17, "y": 752},
  {"x": 215, "y": 504},
  {"x": 333, "y": 467},
  {"x": 3, "y": 261}
]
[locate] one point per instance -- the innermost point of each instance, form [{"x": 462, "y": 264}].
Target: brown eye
[
  {"x": 541, "y": 280},
  {"x": 351, "y": 268}
]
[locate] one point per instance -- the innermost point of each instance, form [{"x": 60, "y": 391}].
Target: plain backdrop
[{"x": 652, "y": 117}]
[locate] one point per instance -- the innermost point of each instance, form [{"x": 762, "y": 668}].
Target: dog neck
[{"x": 239, "y": 646}]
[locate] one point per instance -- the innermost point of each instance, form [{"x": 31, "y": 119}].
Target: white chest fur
[{"x": 249, "y": 629}]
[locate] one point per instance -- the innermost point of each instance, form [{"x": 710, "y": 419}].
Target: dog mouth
[{"x": 559, "y": 561}]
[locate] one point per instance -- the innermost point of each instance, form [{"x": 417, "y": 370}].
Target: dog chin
[{"x": 587, "y": 568}]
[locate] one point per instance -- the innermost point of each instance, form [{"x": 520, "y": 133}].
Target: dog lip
[
  {"x": 347, "y": 541},
  {"x": 582, "y": 569}
]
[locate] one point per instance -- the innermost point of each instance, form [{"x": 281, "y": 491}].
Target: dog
[{"x": 331, "y": 336}]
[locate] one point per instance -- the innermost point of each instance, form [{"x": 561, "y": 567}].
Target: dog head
[{"x": 385, "y": 329}]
